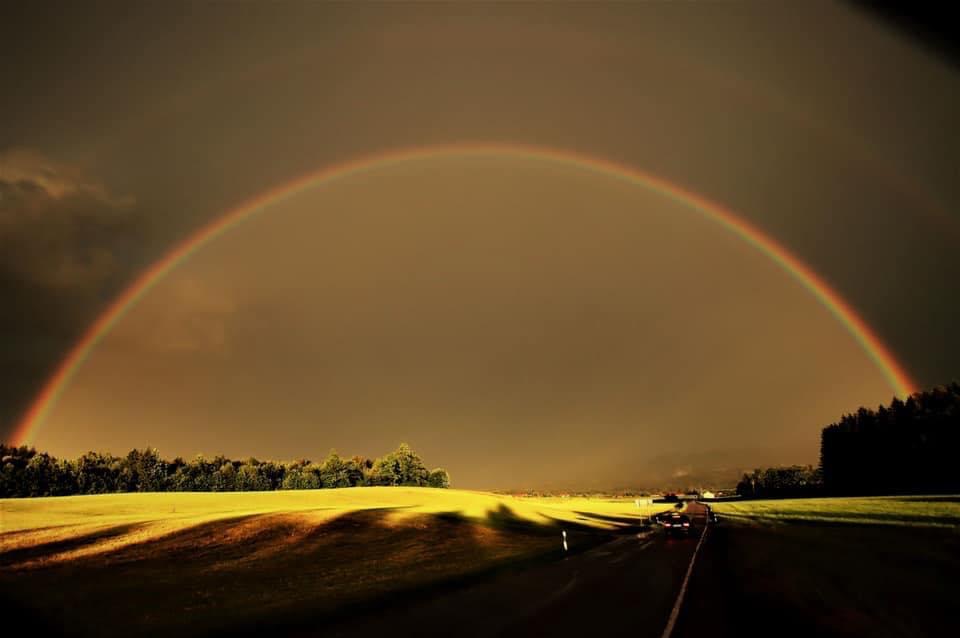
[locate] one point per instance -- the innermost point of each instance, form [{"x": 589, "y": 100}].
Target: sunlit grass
[
  {"x": 29, "y": 522},
  {"x": 191, "y": 563},
  {"x": 887, "y": 510}
]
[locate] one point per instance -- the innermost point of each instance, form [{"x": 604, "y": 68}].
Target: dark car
[{"x": 676, "y": 524}]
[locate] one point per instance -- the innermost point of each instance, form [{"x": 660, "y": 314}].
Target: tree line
[
  {"x": 908, "y": 447},
  {"x": 25, "y": 472}
]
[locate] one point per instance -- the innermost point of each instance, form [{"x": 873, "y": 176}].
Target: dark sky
[{"x": 564, "y": 329}]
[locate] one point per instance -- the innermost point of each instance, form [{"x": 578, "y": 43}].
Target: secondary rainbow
[{"x": 44, "y": 402}]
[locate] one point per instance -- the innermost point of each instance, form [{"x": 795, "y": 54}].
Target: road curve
[{"x": 628, "y": 586}]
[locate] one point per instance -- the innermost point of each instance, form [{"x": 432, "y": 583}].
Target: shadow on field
[
  {"x": 278, "y": 572},
  {"x": 827, "y": 519},
  {"x": 21, "y": 555},
  {"x": 628, "y": 521},
  {"x": 504, "y": 518}
]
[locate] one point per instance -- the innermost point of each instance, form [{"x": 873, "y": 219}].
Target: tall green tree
[{"x": 334, "y": 472}]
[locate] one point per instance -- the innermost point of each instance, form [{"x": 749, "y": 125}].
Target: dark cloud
[
  {"x": 57, "y": 230},
  {"x": 64, "y": 243}
]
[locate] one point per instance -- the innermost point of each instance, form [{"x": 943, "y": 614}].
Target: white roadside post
[{"x": 564, "y": 540}]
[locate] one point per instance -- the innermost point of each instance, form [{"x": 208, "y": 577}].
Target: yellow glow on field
[{"x": 110, "y": 521}]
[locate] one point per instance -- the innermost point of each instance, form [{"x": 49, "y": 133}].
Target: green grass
[
  {"x": 201, "y": 562},
  {"x": 927, "y": 511}
]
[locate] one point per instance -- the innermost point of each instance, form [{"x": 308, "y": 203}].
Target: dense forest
[
  {"x": 908, "y": 447},
  {"x": 26, "y": 472}
]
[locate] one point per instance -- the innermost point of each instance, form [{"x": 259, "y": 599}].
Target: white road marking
[{"x": 675, "y": 612}]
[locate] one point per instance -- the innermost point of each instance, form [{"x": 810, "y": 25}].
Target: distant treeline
[
  {"x": 26, "y": 472},
  {"x": 908, "y": 447},
  {"x": 796, "y": 481}
]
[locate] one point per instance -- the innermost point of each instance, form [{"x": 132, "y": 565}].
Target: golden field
[{"x": 200, "y": 562}]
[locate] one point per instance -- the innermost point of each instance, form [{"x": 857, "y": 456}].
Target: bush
[{"x": 438, "y": 478}]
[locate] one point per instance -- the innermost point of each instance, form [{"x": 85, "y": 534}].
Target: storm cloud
[{"x": 65, "y": 241}]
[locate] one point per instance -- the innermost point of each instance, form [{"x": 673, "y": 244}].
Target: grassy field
[
  {"x": 827, "y": 580},
  {"x": 928, "y": 511},
  {"x": 879, "y": 567},
  {"x": 202, "y": 562}
]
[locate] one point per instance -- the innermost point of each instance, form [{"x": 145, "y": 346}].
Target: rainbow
[{"x": 47, "y": 398}]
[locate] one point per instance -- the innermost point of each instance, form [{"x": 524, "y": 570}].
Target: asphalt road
[{"x": 627, "y": 586}]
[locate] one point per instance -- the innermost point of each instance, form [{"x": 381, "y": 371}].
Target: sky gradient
[{"x": 483, "y": 310}]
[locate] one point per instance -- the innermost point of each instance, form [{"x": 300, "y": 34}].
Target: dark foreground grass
[
  {"x": 758, "y": 578},
  {"x": 267, "y": 574}
]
